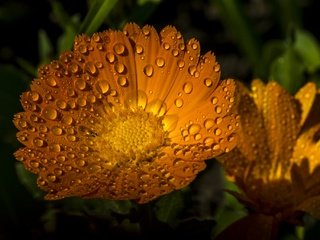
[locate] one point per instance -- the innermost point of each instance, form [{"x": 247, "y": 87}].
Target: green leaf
[
  {"x": 308, "y": 49},
  {"x": 288, "y": 71},
  {"x": 45, "y": 47},
  {"x": 169, "y": 206},
  {"x": 96, "y": 15},
  {"x": 28, "y": 179},
  {"x": 97, "y": 207}
]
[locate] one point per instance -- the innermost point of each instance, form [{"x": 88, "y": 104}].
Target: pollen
[{"x": 135, "y": 135}]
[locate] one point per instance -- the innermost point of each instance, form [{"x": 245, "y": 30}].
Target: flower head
[
  {"x": 126, "y": 115},
  {"x": 277, "y": 161}
]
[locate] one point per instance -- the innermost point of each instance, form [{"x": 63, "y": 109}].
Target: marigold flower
[
  {"x": 126, "y": 115},
  {"x": 276, "y": 163}
]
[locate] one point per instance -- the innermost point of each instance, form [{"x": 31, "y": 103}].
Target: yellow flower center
[{"x": 134, "y": 135}]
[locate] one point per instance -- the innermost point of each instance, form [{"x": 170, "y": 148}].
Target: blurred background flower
[{"x": 268, "y": 39}]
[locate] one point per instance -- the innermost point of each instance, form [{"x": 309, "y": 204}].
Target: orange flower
[
  {"x": 277, "y": 161},
  {"x": 126, "y": 115}
]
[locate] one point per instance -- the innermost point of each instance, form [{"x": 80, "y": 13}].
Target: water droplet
[
  {"x": 110, "y": 57},
  {"x": 57, "y": 130},
  {"x": 231, "y": 138},
  {"x": 194, "y": 129},
  {"x": 217, "y": 68},
  {"x": 217, "y": 131},
  {"x": 160, "y": 62},
  {"x": 192, "y": 69},
  {"x": 166, "y": 46},
  {"x": 81, "y": 101},
  {"x": 208, "y": 141},
  {"x": 91, "y": 68},
  {"x": 215, "y": 146},
  {"x": 119, "y": 67},
  {"x": 50, "y": 113},
  {"x": 139, "y": 49},
  {"x": 74, "y": 68},
  {"x": 218, "y": 109},
  {"x": 23, "y": 124},
  {"x": 208, "y": 82},
  {"x": 80, "y": 84},
  {"x": 197, "y": 137},
  {"x": 83, "y": 49},
  {"x": 209, "y": 123},
  {"x": 103, "y": 86},
  {"x": 214, "y": 100},
  {"x": 123, "y": 81},
  {"x": 194, "y": 46},
  {"x": 43, "y": 129},
  {"x": 96, "y": 37},
  {"x": 187, "y": 87},
  {"x": 34, "y": 163},
  {"x": 55, "y": 147},
  {"x": 72, "y": 138},
  {"x": 146, "y": 31},
  {"x": 38, "y": 142},
  {"x": 58, "y": 171},
  {"x": 81, "y": 163},
  {"x": 218, "y": 120},
  {"x": 231, "y": 100},
  {"x": 99, "y": 65},
  {"x": 175, "y": 52},
  {"x": 148, "y": 70},
  {"x": 178, "y": 102},
  {"x": 119, "y": 48},
  {"x": 51, "y": 178},
  {"x": 67, "y": 119},
  {"x": 180, "y": 63},
  {"x": 34, "y": 96},
  {"x": 51, "y": 81}
]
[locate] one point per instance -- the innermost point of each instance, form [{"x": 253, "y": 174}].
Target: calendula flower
[
  {"x": 277, "y": 161},
  {"x": 126, "y": 115}
]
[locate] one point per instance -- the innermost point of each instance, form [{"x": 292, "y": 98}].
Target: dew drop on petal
[
  {"x": 208, "y": 141},
  {"x": 218, "y": 109},
  {"x": 209, "y": 123},
  {"x": 119, "y": 67},
  {"x": 57, "y": 130},
  {"x": 38, "y": 142},
  {"x": 34, "y": 96},
  {"x": 218, "y": 120},
  {"x": 187, "y": 87},
  {"x": 103, "y": 86},
  {"x": 34, "y": 163},
  {"x": 148, "y": 70},
  {"x": 122, "y": 81},
  {"x": 51, "y": 81},
  {"x": 51, "y": 178},
  {"x": 80, "y": 84},
  {"x": 192, "y": 69},
  {"x": 194, "y": 129},
  {"x": 110, "y": 57},
  {"x": 217, "y": 131},
  {"x": 119, "y": 48},
  {"x": 208, "y": 82},
  {"x": 160, "y": 62},
  {"x": 91, "y": 68},
  {"x": 214, "y": 100},
  {"x": 74, "y": 68},
  {"x": 50, "y": 113},
  {"x": 139, "y": 49},
  {"x": 178, "y": 102},
  {"x": 180, "y": 63}
]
